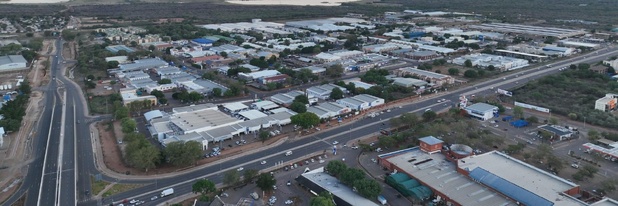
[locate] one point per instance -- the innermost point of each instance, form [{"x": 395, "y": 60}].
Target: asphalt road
[{"x": 317, "y": 142}]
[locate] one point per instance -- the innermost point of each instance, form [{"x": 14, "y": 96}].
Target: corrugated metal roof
[{"x": 509, "y": 189}]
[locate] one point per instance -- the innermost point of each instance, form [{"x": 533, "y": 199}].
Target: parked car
[
  {"x": 240, "y": 169},
  {"x": 335, "y": 143},
  {"x": 263, "y": 162}
]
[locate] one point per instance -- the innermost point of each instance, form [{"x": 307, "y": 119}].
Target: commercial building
[
  {"x": 440, "y": 176},
  {"x": 422, "y": 55},
  {"x": 202, "y": 42},
  {"x": 485, "y": 60},
  {"x": 558, "y": 133},
  {"x": 130, "y": 95},
  {"x": 257, "y": 75},
  {"x": 242, "y": 27},
  {"x": 116, "y": 48},
  {"x": 379, "y": 48},
  {"x": 12, "y": 63},
  {"x": 492, "y": 178},
  {"x": 482, "y": 111},
  {"x": 205, "y": 123},
  {"x": 409, "y": 82},
  {"x": 318, "y": 181},
  {"x": 264, "y": 105},
  {"x": 611, "y": 63},
  {"x": 142, "y": 64},
  {"x": 202, "y": 86},
  {"x": 578, "y": 44},
  {"x": 288, "y": 98},
  {"x": 522, "y": 55},
  {"x": 529, "y": 30},
  {"x": 607, "y": 149},
  {"x": 361, "y": 102},
  {"x": 250, "y": 114},
  {"x": 607, "y": 103},
  {"x": 431, "y": 77},
  {"x": 323, "y": 91},
  {"x": 281, "y": 78},
  {"x": 560, "y": 51},
  {"x": 119, "y": 59},
  {"x": 328, "y": 110}
]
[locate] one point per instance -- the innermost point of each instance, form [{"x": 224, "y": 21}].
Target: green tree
[
  {"x": 334, "y": 71},
  {"x": 324, "y": 199},
  {"x": 387, "y": 141},
  {"x": 298, "y": 107},
  {"x": 429, "y": 115},
  {"x": 264, "y": 135},
  {"x": 217, "y": 92},
  {"x": 163, "y": 101},
  {"x": 231, "y": 177},
  {"x": 468, "y": 63},
  {"x": 583, "y": 66},
  {"x": 471, "y": 74},
  {"x": 183, "y": 153},
  {"x": 249, "y": 174},
  {"x": 302, "y": 99},
  {"x": 68, "y": 35},
  {"x": 593, "y": 135},
  {"x": 336, "y": 93},
  {"x": 266, "y": 181},
  {"x": 453, "y": 71},
  {"x": 553, "y": 121},
  {"x": 573, "y": 116},
  {"x": 157, "y": 93},
  {"x": 121, "y": 113},
  {"x": 305, "y": 120},
  {"x": 223, "y": 54},
  {"x": 145, "y": 158},
  {"x": 25, "y": 88},
  {"x": 336, "y": 167},
  {"x": 367, "y": 188},
  {"x": 350, "y": 175},
  {"x": 518, "y": 112},
  {"x": 204, "y": 187},
  {"x": 209, "y": 75},
  {"x": 532, "y": 119},
  {"x": 128, "y": 125},
  {"x": 165, "y": 81}
]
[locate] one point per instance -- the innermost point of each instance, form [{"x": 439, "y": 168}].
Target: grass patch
[
  {"x": 119, "y": 188},
  {"x": 97, "y": 186},
  {"x": 101, "y": 104}
]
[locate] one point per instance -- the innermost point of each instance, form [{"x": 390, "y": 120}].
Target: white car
[
  {"x": 335, "y": 143},
  {"x": 354, "y": 147},
  {"x": 289, "y": 202},
  {"x": 263, "y": 162},
  {"x": 240, "y": 169}
]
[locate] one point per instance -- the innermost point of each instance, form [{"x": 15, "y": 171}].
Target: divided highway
[{"x": 321, "y": 141}]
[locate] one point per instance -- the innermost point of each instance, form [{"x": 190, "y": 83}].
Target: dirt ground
[{"x": 15, "y": 152}]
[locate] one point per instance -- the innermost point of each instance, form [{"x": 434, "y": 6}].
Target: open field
[
  {"x": 291, "y": 2},
  {"x": 521, "y": 11}
]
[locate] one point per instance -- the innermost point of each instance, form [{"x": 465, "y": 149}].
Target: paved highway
[{"x": 319, "y": 142}]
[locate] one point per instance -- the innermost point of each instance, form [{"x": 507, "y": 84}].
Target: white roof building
[
  {"x": 323, "y": 91},
  {"x": 482, "y": 111},
  {"x": 143, "y": 64},
  {"x": 361, "y": 102},
  {"x": 499, "y": 62},
  {"x": 235, "y": 107},
  {"x": 251, "y": 114},
  {"x": 260, "y": 74}
]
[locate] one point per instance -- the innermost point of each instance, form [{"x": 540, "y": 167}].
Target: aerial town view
[{"x": 308, "y": 103}]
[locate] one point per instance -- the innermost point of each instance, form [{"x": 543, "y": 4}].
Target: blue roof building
[
  {"x": 202, "y": 42},
  {"x": 116, "y": 48}
]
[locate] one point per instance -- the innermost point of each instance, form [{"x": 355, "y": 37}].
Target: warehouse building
[
  {"x": 323, "y": 91},
  {"x": 318, "y": 181},
  {"x": 431, "y": 77},
  {"x": 482, "y": 111},
  {"x": 409, "y": 82},
  {"x": 253, "y": 76},
  {"x": 12, "y": 63},
  {"x": 485, "y": 60},
  {"x": 329, "y": 110},
  {"x": 288, "y": 98},
  {"x": 529, "y": 30},
  {"x": 361, "y": 102},
  {"x": 131, "y": 95},
  {"x": 142, "y": 64},
  {"x": 492, "y": 178}
]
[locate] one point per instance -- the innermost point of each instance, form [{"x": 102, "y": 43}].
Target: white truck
[
  {"x": 167, "y": 192},
  {"x": 382, "y": 200}
]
